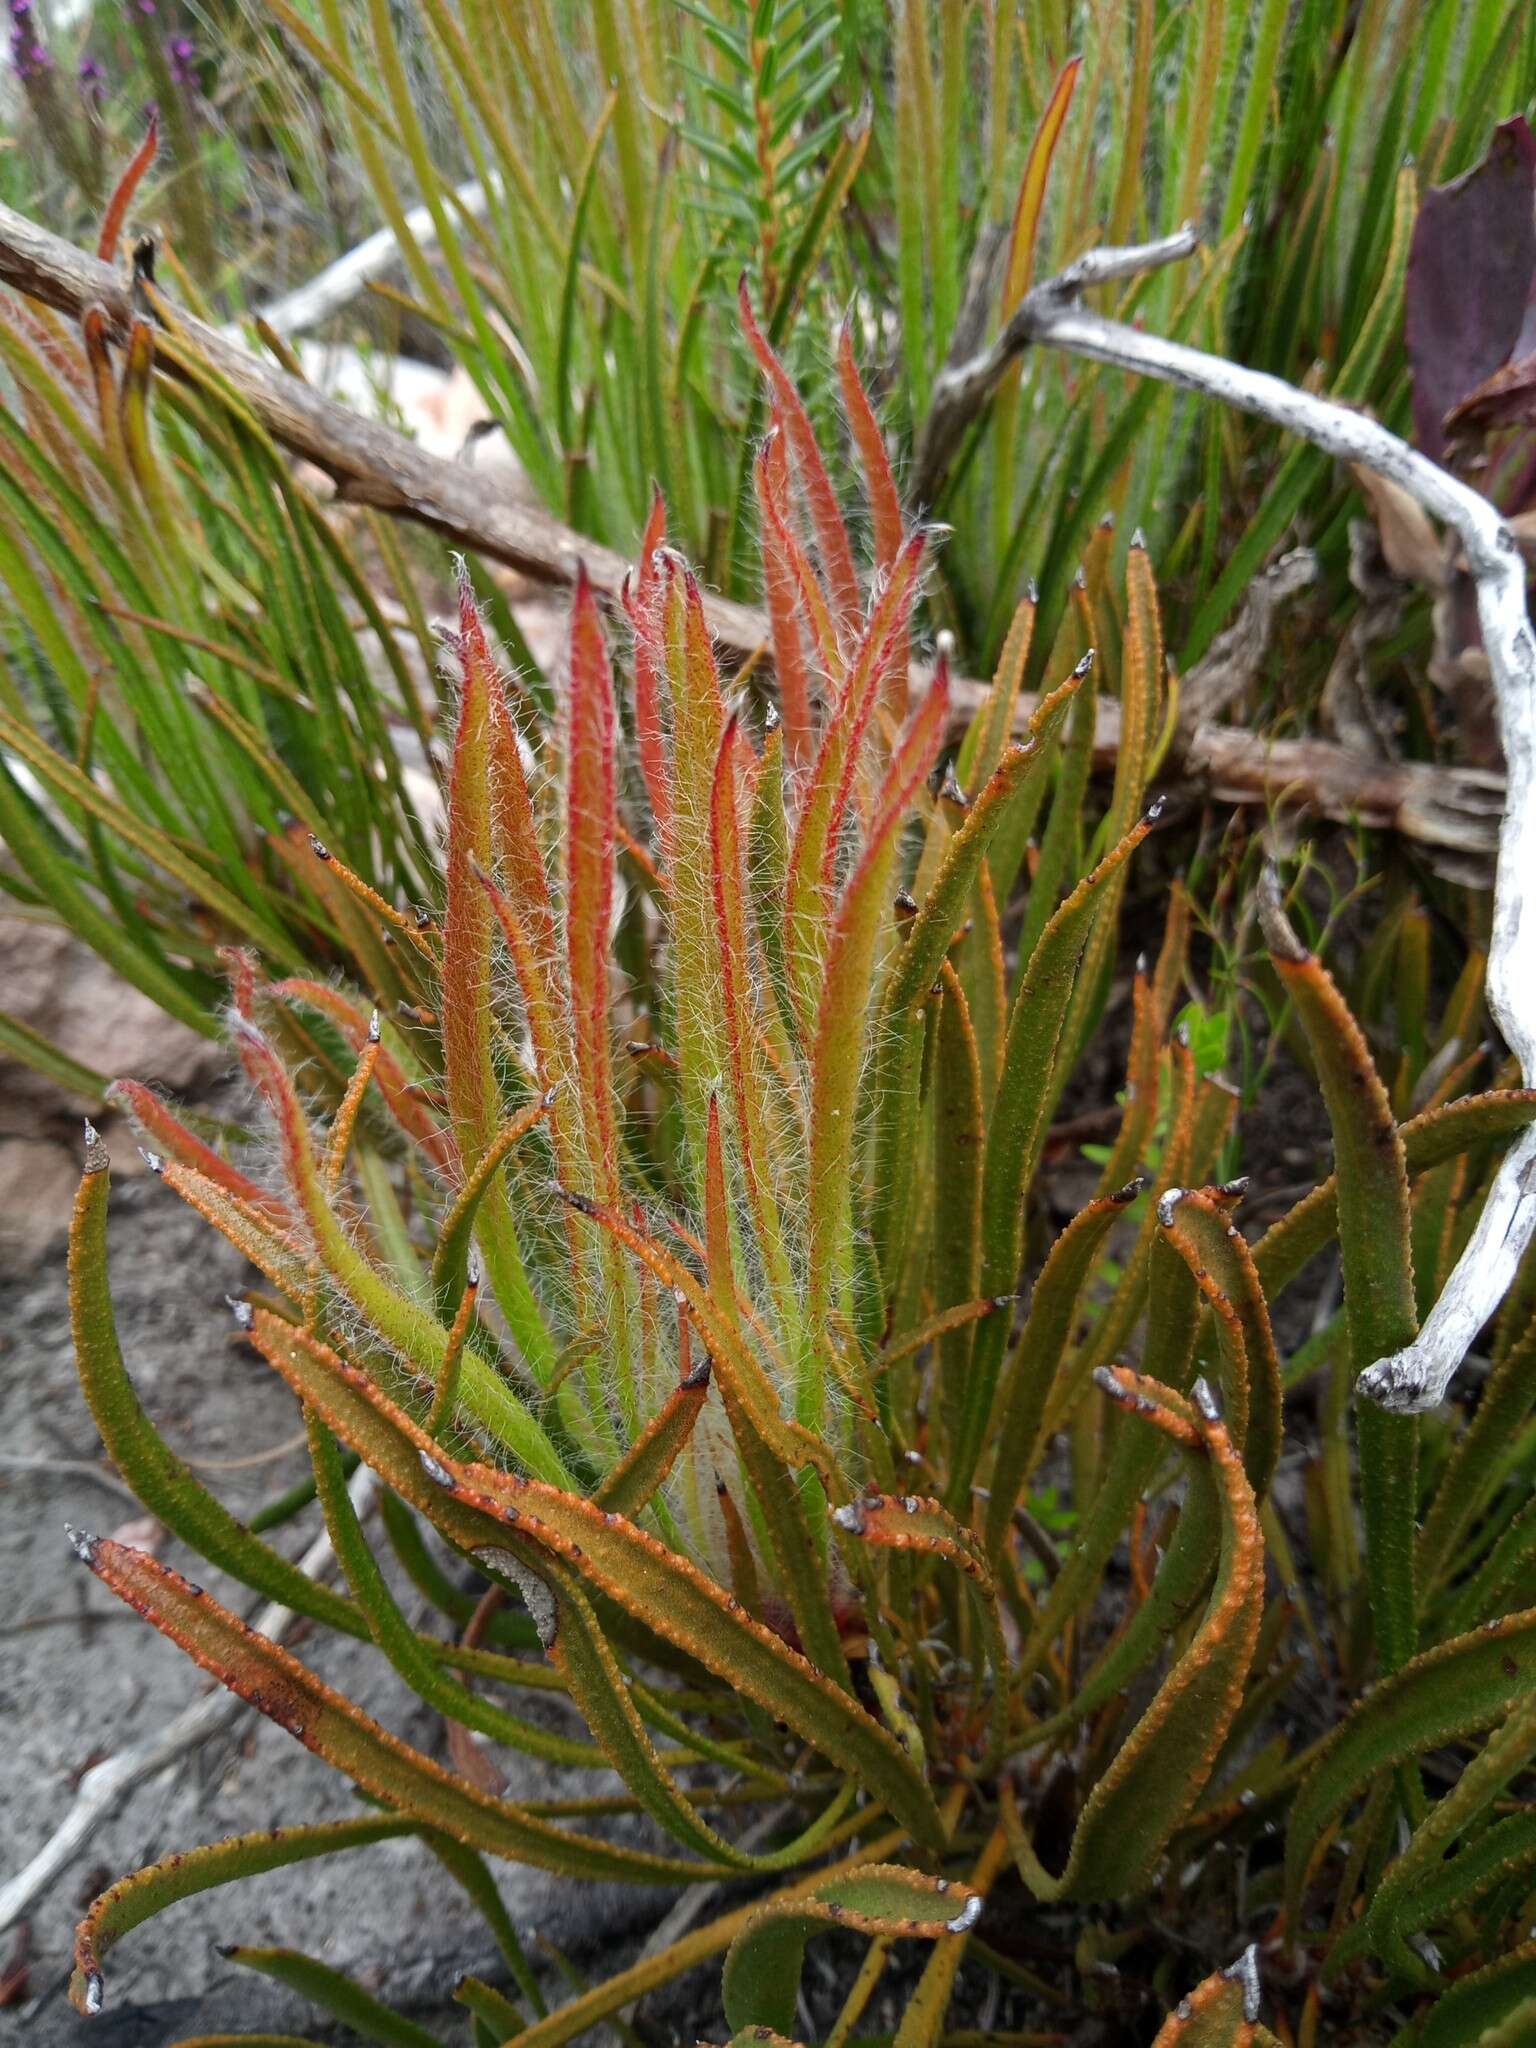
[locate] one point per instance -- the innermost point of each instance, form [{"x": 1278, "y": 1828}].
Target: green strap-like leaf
[
  {"x": 137, "y": 1898},
  {"x": 1429, "y": 1140},
  {"x": 1017, "y": 1132},
  {"x": 643, "y": 1469},
  {"x": 1031, "y": 1370},
  {"x": 401, "y": 1321},
  {"x": 1496, "y": 2000},
  {"x": 762, "y": 1967},
  {"x": 1477, "y": 1464},
  {"x": 1165, "y": 1760},
  {"x": 399, "y": 1641},
  {"x": 1205, "y": 1237},
  {"x": 335, "y": 1993},
  {"x": 1182, "y": 1581},
  {"x": 167, "y": 1488},
  {"x": 477, "y": 1507},
  {"x": 1166, "y": 1356},
  {"x": 1446, "y": 1693},
  {"x": 279, "y": 1686},
  {"x": 1375, "y": 1243}
]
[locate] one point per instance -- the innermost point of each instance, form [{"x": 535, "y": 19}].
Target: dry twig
[
  {"x": 1053, "y": 314},
  {"x": 371, "y": 464}
]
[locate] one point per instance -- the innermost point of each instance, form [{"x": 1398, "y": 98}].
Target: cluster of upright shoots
[{"x": 675, "y": 1257}]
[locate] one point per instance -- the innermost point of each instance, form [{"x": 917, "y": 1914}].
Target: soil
[{"x": 82, "y": 1677}]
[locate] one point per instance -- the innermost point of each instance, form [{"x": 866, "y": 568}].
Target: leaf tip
[
  {"x": 1279, "y": 932},
  {"x": 96, "y": 1160},
  {"x": 82, "y": 1543},
  {"x": 435, "y": 1470},
  {"x": 967, "y": 1916},
  {"x": 1245, "y": 1971}
]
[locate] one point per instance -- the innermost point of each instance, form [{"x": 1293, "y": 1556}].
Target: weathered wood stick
[{"x": 371, "y": 464}]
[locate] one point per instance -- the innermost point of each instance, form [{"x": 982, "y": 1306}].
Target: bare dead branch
[
  {"x": 335, "y": 287},
  {"x": 372, "y": 464},
  {"x": 1052, "y": 314},
  {"x": 369, "y": 463}
]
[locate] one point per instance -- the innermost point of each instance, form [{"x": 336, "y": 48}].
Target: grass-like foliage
[
  {"x": 922, "y": 160},
  {"x": 656, "y": 1220}
]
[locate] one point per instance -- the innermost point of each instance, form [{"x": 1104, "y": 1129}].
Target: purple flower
[
  {"x": 92, "y": 80},
  {"x": 181, "y": 53},
  {"x": 28, "y": 57}
]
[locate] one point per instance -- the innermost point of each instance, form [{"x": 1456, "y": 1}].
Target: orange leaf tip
[{"x": 1108, "y": 1381}]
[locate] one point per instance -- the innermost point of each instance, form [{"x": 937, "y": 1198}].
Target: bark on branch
[
  {"x": 1052, "y": 314},
  {"x": 369, "y": 463},
  {"x": 372, "y": 464}
]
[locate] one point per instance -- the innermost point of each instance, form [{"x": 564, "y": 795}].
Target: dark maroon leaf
[
  {"x": 1470, "y": 272},
  {"x": 1506, "y": 399}
]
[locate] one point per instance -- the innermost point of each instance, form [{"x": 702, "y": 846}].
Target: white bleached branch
[
  {"x": 313, "y": 303},
  {"x": 1052, "y": 314}
]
